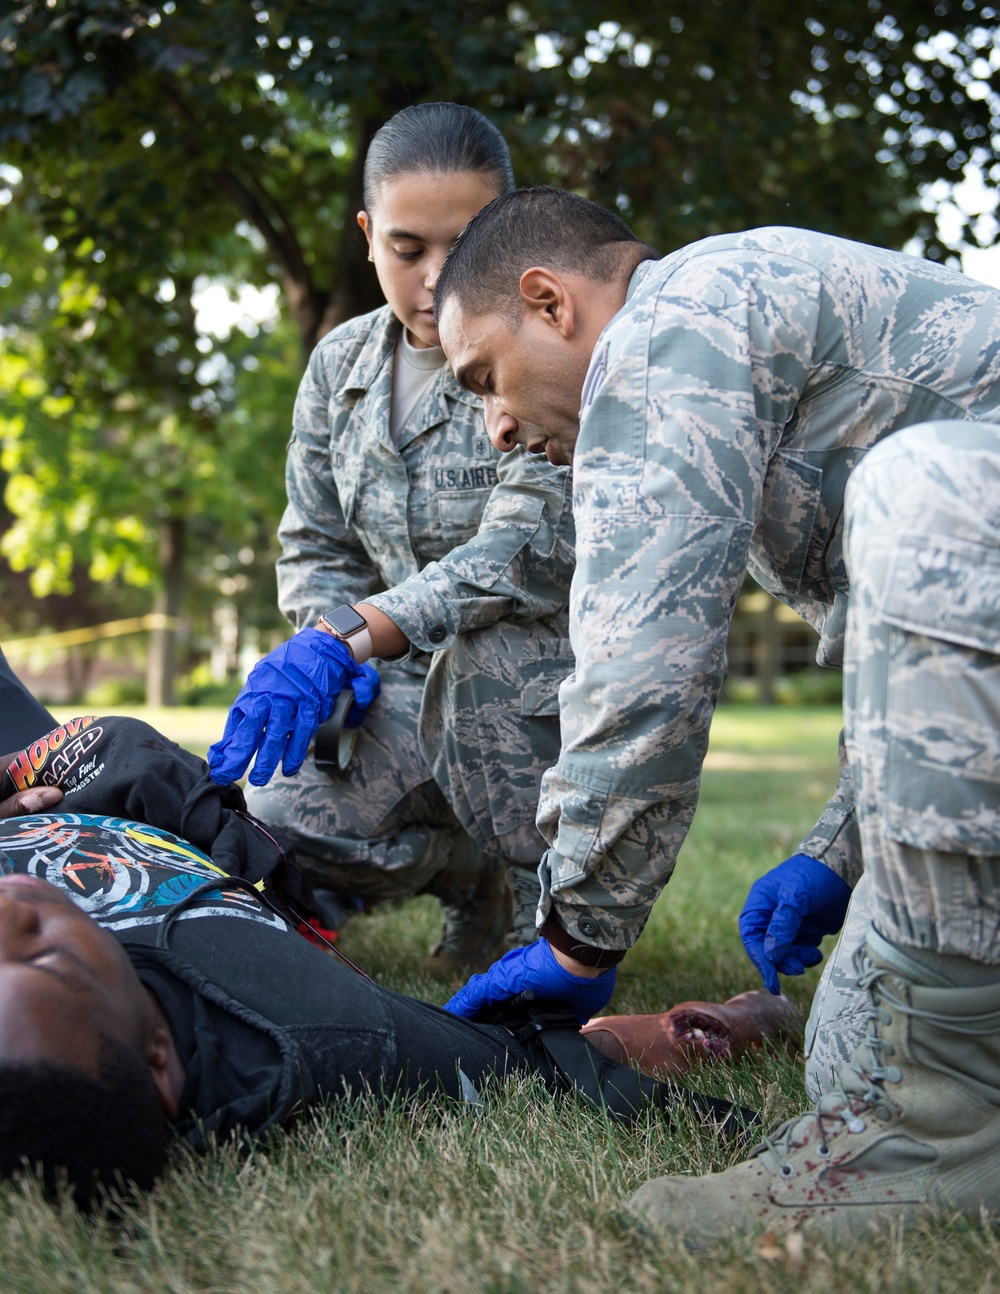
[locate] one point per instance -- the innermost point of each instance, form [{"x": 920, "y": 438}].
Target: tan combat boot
[
  {"x": 912, "y": 1125},
  {"x": 476, "y": 908}
]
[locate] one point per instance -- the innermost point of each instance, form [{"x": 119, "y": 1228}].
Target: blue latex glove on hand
[
  {"x": 787, "y": 912},
  {"x": 533, "y": 969},
  {"x": 366, "y": 688},
  {"x": 284, "y": 700}
]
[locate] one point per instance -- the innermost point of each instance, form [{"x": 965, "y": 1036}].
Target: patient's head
[
  {"x": 88, "y": 1071},
  {"x": 84, "y": 1134}
]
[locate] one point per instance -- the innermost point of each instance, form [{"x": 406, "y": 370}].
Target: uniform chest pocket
[{"x": 460, "y": 513}]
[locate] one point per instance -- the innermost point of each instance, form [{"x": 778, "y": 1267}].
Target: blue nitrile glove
[
  {"x": 286, "y": 697},
  {"x": 533, "y": 969},
  {"x": 787, "y": 912},
  {"x": 366, "y": 688}
]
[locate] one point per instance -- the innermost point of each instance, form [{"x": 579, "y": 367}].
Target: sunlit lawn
[
  {"x": 524, "y": 1196},
  {"x": 194, "y": 727}
]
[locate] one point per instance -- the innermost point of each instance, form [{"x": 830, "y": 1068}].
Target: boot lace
[{"x": 858, "y": 1091}]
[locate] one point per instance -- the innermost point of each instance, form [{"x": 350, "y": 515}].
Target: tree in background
[
  {"x": 129, "y": 455},
  {"x": 156, "y": 144},
  {"x": 705, "y": 118}
]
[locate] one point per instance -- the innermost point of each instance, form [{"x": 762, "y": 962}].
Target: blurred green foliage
[{"x": 149, "y": 148}]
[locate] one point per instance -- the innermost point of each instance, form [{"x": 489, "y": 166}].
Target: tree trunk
[
  {"x": 167, "y": 604},
  {"x": 78, "y": 663},
  {"x": 767, "y": 654},
  {"x": 355, "y": 288}
]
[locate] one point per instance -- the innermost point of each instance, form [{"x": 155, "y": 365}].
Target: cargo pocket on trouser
[
  {"x": 542, "y": 677},
  {"x": 540, "y": 705},
  {"x": 942, "y": 788},
  {"x": 935, "y": 862}
]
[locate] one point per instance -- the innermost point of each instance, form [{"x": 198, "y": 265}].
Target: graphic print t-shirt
[{"x": 124, "y": 874}]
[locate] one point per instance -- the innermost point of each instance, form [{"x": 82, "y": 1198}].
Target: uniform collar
[
  {"x": 374, "y": 359},
  {"x": 374, "y": 366},
  {"x": 639, "y": 276}
]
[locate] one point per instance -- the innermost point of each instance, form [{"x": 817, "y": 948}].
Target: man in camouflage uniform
[
  {"x": 470, "y": 555},
  {"x": 827, "y": 416}
]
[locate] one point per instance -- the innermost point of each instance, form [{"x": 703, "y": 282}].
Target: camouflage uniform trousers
[
  {"x": 838, "y": 1016},
  {"x": 445, "y": 772},
  {"x": 922, "y": 708}
]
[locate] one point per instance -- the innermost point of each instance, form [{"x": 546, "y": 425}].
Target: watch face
[{"x": 345, "y": 620}]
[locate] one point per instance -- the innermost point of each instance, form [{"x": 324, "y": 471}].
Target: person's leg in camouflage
[
  {"x": 381, "y": 829},
  {"x": 839, "y": 1014},
  {"x": 913, "y": 1123},
  {"x": 489, "y": 729}
]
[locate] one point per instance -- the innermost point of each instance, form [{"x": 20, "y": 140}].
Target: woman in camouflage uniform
[{"x": 460, "y": 562}]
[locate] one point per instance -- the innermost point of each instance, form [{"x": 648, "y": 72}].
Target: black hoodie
[{"x": 264, "y": 1022}]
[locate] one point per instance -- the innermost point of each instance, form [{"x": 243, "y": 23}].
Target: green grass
[
  {"x": 524, "y": 1196},
  {"x": 194, "y": 727}
]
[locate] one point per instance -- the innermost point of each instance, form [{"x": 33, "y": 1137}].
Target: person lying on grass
[{"x": 153, "y": 980}]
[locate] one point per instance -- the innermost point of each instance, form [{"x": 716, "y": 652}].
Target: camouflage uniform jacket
[
  {"x": 440, "y": 533},
  {"x": 725, "y": 406}
]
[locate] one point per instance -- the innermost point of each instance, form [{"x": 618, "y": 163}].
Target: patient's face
[{"x": 63, "y": 980}]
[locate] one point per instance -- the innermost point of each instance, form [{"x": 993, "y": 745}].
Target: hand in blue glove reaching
[
  {"x": 787, "y": 912},
  {"x": 366, "y": 688},
  {"x": 286, "y": 697},
  {"x": 533, "y": 969}
]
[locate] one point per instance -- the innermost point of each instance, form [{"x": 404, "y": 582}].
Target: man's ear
[
  {"x": 160, "y": 1059},
  {"x": 365, "y": 225},
  {"x": 547, "y": 295}
]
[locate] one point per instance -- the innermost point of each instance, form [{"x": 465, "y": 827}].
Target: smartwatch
[{"x": 351, "y": 628}]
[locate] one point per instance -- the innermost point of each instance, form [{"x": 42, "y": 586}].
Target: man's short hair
[
  {"x": 543, "y": 226},
  {"x": 84, "y": 1135}
]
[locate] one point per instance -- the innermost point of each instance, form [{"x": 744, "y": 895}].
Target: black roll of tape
[{"x": 334, "y": 743}]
